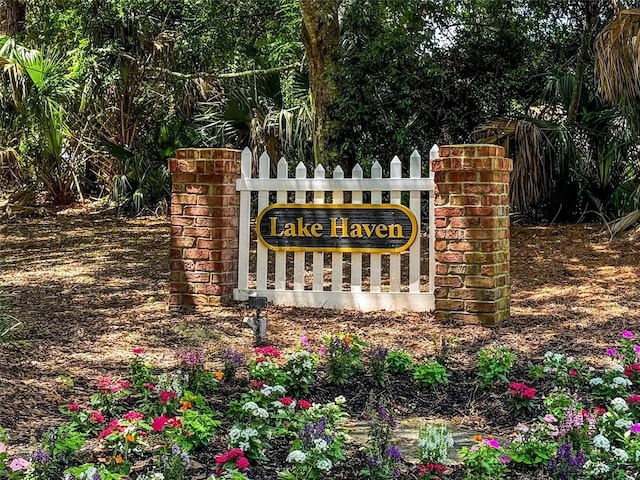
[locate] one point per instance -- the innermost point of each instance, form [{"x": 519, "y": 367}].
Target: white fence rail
[{"x": 363, "y": 281}]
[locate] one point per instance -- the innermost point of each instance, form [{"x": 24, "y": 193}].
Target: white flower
[
  {"x": 340, "y": 400},
  {"x": 620, "y": 454},
  {"x": 250, "y": 406},
  {"x": 320, "y": 444},
  {"x": 570, "y": 359},
  {"x": 623, "y": 424},
  {"x": 324, "y": 464},
  {"x": 619, "y": 404},
  {"x": 279, "y": 389},
  {"x": 297, "y": 456},
  {"x": 600, "y": 441},
  {"x": 617, "y": 368},
  {"x": 622, "y": 381},
  {"x": 596, "y": 468},
  {"x": 261, "y": 413},
  {"x": 596, "y": 381}
]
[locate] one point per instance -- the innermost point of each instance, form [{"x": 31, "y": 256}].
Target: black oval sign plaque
[{"x": 337, "y": 228}]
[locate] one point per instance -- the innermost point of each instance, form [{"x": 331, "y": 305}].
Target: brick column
[
  {"x": 203, "y": 257},
  {"x": 472, "y": 234}
]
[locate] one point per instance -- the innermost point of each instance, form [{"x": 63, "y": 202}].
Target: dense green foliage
[{"x": 122, "y": 84}]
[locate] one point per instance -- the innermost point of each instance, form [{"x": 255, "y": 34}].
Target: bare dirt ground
[{"x": 87, "y": 289}]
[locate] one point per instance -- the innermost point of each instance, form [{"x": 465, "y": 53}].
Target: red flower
[
  {"x": 631, "y": 399},
  {"x": 230, "y": 455},
  {"x": 133, "y": 416},
  {"x": 257, "y": 384},
  {"x": 96, "y": 417},
  {"x": 105, "y": 433},
  {"x": 242, "y": 463},
  {"x": 304, "y": 404},
  {"x": 522, "y": 391},
  {"x": 267, "y": 351},
  {"x": 631, "y": 370},
  {"x": 150, "y": 386},
  {"x": 573, "y": 372},
  {"x": 174, "y": 422},
  {"x": 158, "y": 423},
  {"x": 138, "y": 350},
  {"x": 286, "y": 400},
  {"x": 166, "y": 396},
  {"x": 74, "y": 407}
]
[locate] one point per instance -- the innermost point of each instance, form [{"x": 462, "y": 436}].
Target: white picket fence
[{"x": 362, "y": 281}]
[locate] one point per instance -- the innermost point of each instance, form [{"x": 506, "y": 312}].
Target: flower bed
[{"x": 280, "y": 416}]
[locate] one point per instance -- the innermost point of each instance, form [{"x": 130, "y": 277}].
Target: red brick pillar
[
  {"x": 472, "y": 234},
  {"x": 204, "y": 226}
]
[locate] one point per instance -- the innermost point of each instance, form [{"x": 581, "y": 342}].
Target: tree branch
[{"x": 219, "y": 76}]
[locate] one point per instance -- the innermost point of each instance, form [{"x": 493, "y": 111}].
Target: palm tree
[{"x": 40, "y": 90}]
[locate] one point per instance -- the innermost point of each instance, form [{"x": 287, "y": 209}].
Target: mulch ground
[{"x": 86, "y": 289}]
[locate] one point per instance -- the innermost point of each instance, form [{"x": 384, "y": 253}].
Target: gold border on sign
[{"x": 343, "y": 206}]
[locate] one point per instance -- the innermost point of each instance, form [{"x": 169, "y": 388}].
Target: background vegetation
[{"x": 96, "y": 95}]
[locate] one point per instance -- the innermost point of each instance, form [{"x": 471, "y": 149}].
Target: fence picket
[
  {"x": 245, "y": 221},
  {"x": 395, "y": 274},
  {"x": 299, "y": 257},
  {"x": 434, "y": 153},
  {"x": 415, "y": 203},
  {"x": 281, "y": 257},
  {"x": 318, "y": 257},
  {"x": 356, "y": 258},
  {"x": 375, "y": 259},
  {"x": 264, "y": 168},
  {"x": 337, "y": 257}
]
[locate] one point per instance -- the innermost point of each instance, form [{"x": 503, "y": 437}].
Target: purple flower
[
  {"x": 635, "y": 428},
  {"x": 504, "y": 459},
  {"x": 394, "y": 453},
  {"x": 304, "y": 341},
  {"x": 627, "y": 334},
  {"x": 40, "y": 456},
  {"x": 492, "y": 442},
  {"x": 192, "y": 358},
  {"x": 233, "y": 357},
  {"x": 612, "y": 352},
  {"x": 322, "y": 351}
]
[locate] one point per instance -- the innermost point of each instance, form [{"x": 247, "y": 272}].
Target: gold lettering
[
  {"x": 381, "y": 231},
  {"x": 274, "y": 225},
  {"x": 316, "y": 230},
  {"x": 289, "y": 230},
  {"x": 343, "y": 227},
  {"x": 368, "y": 228},
  {"x": 303, "y": 229},
  {"x": 395, "y": 231},
  {"x": 356, "y": 231}
]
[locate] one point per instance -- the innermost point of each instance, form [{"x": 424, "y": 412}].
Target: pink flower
[
  {"x": 626, "y": 334},
  {"x": 257, "y": 384},
  {"x": 242, "y": 463},
  {"x": 19, "y": 463},
  {"x": 322, "y": 351},
  {"x": 492, "y": 442},
  {"x": 522, "y": 391},
  {"x": 174, "y": 422},
  {"x": 139, "y": 350},
  {"x": 286, "y": 400},
  {"x": 3, "y": 448},
  {"x": 150, "y": 386},
  {"x": 74, "y": 407},
  {"x": 304, "y": 404},
  {"x": 166, "y": 396},
  {"x": 304, "y": 341},
  {"x": 633, "y": 399},
  {"x": 635, "y": 428},
  {"x": 504, "y": 459},
  {"x": 230, "y": 455},
  {"x": 158, "y": 423},
  {"x": 133, "y": 416},
  {"x": 96, "y": 417},
  {"x": 573, "y": 373},
  {"x": 612, "y": 352},
  {"x": 549, "y": 418}
]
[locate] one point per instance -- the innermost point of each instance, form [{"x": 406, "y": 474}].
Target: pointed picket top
[
  {"x": 338, "y": 172},
  {"x": 245, "y": 165},
  {"x": 415, "y": 165},
  {"x": 396, "y": 168},
  {"x": 301, "y": 170},
  {"x": 434, "y": 154},
  {"x": 265, "y": 164},
  {"x": 357, "y": 171},
  {"x": 319, "y": 172},
  {"x": 283, "y": 168},
  {"x": 376, "y": 170}
]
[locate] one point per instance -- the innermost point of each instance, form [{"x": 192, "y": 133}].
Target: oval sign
[{"x": 337, "y": 228}]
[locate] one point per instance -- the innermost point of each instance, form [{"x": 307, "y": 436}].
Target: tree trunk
[
  {"x": 321, "y": 38},
  {"x": 590, "y": 11},
  {"x": 11, "y": 17}
]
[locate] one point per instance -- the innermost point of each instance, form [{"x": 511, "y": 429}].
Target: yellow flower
[
  {"x": 218, "y": 375},
  {"x": 130, "y": 438}
]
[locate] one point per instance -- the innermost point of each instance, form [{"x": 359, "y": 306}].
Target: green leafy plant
[
  {"x": 494, "y": 364},
  {"x": 300, "y": 372},
  {"x": 399, "y": 362},
  {"x": 486, "y": 460},
  {"x": 532, "y": 446},
  {"x": 430, "y": 374},
  {"x": 343, "y": 357},
  {"x": 382, "y": 458},
  {"x": 378, "y": 366}
]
